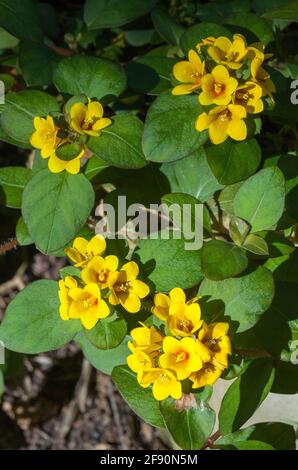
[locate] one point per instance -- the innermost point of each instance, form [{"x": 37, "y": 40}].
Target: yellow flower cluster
[
  {"x": 191, "y": 350},
  {"x": 235, "y": 82},
  {"x": 101, "y": 284},
  {"x": 83, "y": 119}
]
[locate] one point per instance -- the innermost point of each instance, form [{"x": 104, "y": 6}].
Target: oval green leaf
[
  {"x": 120, "y": 144},
  {"x": 12, "y": 182},
  {"x": 232, "y": 161},
  {"x": 32, "y": 323},
  {"x": 92, "y": 76},
  {"x": 245, "y": 298},
  {"x": 221, "y": 260},
  {"x": 260, "y": 200},
  {"x": 170, "y": 132},
  {"x": 107, "y": 333},
  {"x": 55, "y": 207},
  {"x": 139, "y": 399}
]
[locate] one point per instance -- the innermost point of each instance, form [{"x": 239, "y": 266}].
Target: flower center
[
  {"x": 181, "y": 356},
  {"x": 102, "y": 276},
  {"x": 224, "y": 115},
  {"x": 218, "y": 88},
  {"x": 91, "y": 302},
  {"x": 185, "y": 325},
  {"x": 122, "y": 288}
]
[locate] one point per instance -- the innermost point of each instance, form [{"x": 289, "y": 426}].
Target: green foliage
[
  {"x": 52, "y": 210},
  {"x": 139, "y": 399},
  {"x": 168, "y": 112},
  {"x": 241, "y": 399},
  {"x": 120, "y": 144},
  {"x": 32, "y": 323},
  {"x": 190, "y": 427}
]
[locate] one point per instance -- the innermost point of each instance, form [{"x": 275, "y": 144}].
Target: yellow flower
[
  {"x": 205, "y": 42},
  {"x": 99, "y": 270},
  {"x": 190, "y": 73},
  {"x": 229, "y": 53},
  {"x": 82, "y": 250},
  {"x": 184, "y": 318},
  {"x": 162, "y": 302},
  {"x": 126, "y": 289},
  {"x": 88, "y": 119},
  {"x": 56, "y": 164},
  {"x": 45, "y": 136},
  {"x": 165, "y": 383},
  {"x": 249, "y": 96},
  {"x": 205, "y": 376},
  {"x": 64, "y": 285},
  {"x": 147, "y": 339},
  {"x": 259, "y": 75},
  {"x": 181, "y": 356},
  {"x": 218, "y": 343},
  {"x": 223, "y": 121},
  {"x": 138, "y": 361},
  {"x": 217, "y": 87},
  {"x": 87, "y": 305}
]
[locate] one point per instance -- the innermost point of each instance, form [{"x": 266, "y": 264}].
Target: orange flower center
[
  {"x": 182, "y": 356},
  {"x": 90, "y": 302},
  {"x": 185, "y": 325},
  {"x": 224, "y": 115},
  {"x": 103, "y": 276},
  {"x": 219, "y": 88}
]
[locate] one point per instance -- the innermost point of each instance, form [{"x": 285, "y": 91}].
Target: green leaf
[
  {"x": 103, "y": 360},
  {"x": 120, "y": 144},
  {"x": 140, "y": 400},
  {"x": 112, "y": 13},
  {"x": 55, "y": 207},
  {"x": 259, "y": 27},
  {"x": 242, "y": 399},
  {"x": 248, "y": 445},
  {"x": 21, "y": 108},
  {"x": 168, "y": 29},
  {"x": 189, "y": 206},
  {"x": 167, "y": 264},
  {"x": 20, "y": 19},
  {"x": 37, "y": 62},
  {"x": 96, "y": 78},
  {"x": 7, "y": 41},
  {"x": 289, "y": 12},
  {"x": 256, "y": 245},
  {"x": 280, "y": 436},
  {"x": 232, "y": 161},
  {"x": 168, "y": 112},
  {"x": 150, "y": 74},
  {"x": 107, "y": 333},
  {"x": 221, "y": 260},
  {"x": 238, "y": 230},
  {"x": 171, "y": 265},
  {"x": 68, "y": 151},
  {"x": 94, "y": 166},
  {"x": 197, "y": 32},
  {"x": 189, "y": 427},
  {"x": 245, "y": 298},
  {"x": 260, "y": 199},
  {"x": 192, "y": 175},
  {"x": 12, "y": 182},
  {"x": 32, "y": 323},
  {"x": 227, "y": 196},
  {"x": 22, "y": 233}
]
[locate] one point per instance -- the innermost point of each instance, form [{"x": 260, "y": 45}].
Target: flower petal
[
  {"x": 131, "y": 269},
  {"x": 237, "y": 129},
  {"x": 140, "y": 288},
  {"x": 96, "y": 246},
  {"x": 55, "y": 164}
]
